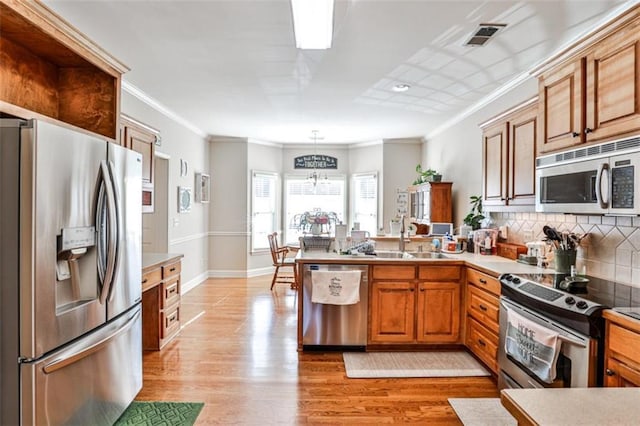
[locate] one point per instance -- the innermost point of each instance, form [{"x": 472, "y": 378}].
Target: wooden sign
[{"x": 315, "y": 162}]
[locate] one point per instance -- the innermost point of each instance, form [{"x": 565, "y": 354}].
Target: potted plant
[
  {"x": 429, "y": 175},
  {"x": 475, "y": 216}
]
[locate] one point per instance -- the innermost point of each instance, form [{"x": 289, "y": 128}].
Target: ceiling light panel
[{"x": 313, "y": 23}]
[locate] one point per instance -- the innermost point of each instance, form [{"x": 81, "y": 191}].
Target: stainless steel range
[{"x": 552, "y": 331}]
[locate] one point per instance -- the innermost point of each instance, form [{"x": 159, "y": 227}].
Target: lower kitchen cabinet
[
  {"x": 415, "y": 305},
  {"x": 160, "y": 303},
  {"x": 482, "y": 323},
  {"x": 622, "y": 351}
]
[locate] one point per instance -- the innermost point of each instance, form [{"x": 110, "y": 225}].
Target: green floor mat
[{"x": 160, "y": 413}]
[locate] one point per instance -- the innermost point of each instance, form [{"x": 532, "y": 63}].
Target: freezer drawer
[
  {"x": 90, "y": 382},
  {"x": 334, "y": 326}
]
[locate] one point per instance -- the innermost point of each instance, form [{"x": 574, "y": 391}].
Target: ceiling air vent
[{"x": 483, "y": 34}]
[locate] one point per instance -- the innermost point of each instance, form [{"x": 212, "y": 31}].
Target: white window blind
[
  {"x": 263, "y": 208},
  {"x": 365, "y": 201}
]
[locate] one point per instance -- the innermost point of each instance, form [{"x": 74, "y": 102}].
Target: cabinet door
[
  {"x": 438, "y": 312},
  {"x": 619, "y": 375},
  {"x": 143, "y": 143},
  {"x": 392, "y": 309},
  {"x": 494, "y": 165},
  {"x": 561, "y": 98},
  {"x": 439, "y": 203},
  {"x": 613, "y": 84},
  {"x": 522, "y": 154}
]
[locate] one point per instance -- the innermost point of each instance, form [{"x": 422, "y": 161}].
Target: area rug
[
  {"x": 482, "y": 412},
  {"x": 160, "y": 413},
  {"x": 411, "y": 364}
]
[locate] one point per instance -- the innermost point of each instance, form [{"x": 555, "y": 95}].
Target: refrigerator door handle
[
  {"x": 76, "y": 354},
  {"x": 106, "y": 191},
  {"x": 115, "y": 220}
]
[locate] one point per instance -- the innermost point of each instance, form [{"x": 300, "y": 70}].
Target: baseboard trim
[
  {"x": 193, "y": 283},
  {"x": 249, "y": 273}
]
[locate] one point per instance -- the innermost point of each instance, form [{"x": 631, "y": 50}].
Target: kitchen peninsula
[{"x": 431, "y": 316}]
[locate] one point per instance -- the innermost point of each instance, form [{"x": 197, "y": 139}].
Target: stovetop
[{"x": 605, "y": 293}]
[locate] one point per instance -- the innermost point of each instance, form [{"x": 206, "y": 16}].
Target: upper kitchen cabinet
[
  {"x": 141, "y": 138},
  {"x": 431, "y": 202},
  {"x": 49, "y": 69},
  {"x": 509, "y": 149},
  {"x": 561, "y": 98},
  {"x": 591, "y": 92},
  {"x": 613, "y": 85}
]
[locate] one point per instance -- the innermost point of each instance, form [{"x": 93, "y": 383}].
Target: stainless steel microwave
[{"x": 597, "y": 179}]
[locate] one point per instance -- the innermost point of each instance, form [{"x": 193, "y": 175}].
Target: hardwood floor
[{"x": 237, "y": 354}]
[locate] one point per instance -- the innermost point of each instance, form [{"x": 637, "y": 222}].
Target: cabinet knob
[
  {"x": 588, "y": 130},
  {"x": 482, "y": 308},
  {"x": 483, "y": 281},
  {"x": 481, "y": 342},
  {"x": 575, "y": 134},
  {"x": 610, "y": 372}
]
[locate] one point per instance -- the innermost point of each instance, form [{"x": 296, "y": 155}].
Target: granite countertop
[
  {"x": 573, "y": 406},
  {"x": 153, "y": 260}
]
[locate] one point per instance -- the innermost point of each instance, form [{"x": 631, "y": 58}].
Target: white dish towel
[
  {"x": 534, "y": 346},
  {"x": 335, "y": 287}
]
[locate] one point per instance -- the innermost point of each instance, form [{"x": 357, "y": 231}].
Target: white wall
[
  {"x": 229, "y": 214},
  {"x": 187, "y": 231},
  {"x": 400, "y": 159}
]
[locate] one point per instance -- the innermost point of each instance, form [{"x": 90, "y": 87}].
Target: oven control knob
[
  {"x": 582, "y": 305},
  {"x": 569, "y": 300},
  {"x": 508, "y": 277},
  {"x": 516, "y": 280}
]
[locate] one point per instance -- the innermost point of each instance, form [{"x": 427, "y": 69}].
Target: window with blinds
[
  {"x": 263, "y": 208},
  {"x": 365, "y": 201}
]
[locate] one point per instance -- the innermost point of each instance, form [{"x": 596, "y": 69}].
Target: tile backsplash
[{"x": 610, "y": 251}]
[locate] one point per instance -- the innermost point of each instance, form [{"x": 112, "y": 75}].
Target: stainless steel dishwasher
[{"x": 334, "y": 327}]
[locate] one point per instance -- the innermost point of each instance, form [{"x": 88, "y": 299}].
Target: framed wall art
[
  {"x": 184, "y": 199},
  {"x": 203, "y": 187}
]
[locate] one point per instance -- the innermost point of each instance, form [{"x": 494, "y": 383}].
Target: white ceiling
[{"x": 231, "y": 67}]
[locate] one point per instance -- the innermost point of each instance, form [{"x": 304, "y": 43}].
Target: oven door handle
[{"x": 543, "y": 322}]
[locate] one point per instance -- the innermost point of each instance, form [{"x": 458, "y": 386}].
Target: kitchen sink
[
  {"x": 428, "y": 255},
  {"x": 391, "y": 254}
]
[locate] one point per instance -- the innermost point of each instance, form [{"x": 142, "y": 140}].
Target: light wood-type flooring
[{"x": 237, "y": 353}]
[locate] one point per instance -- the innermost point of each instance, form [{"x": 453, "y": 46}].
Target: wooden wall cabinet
[
  {"x": 414, "y": 305},
  {"x": 141, "y": 138},
  {"x": 49, "y": 69},
  {"x": 593, "y": 96},
  {"x": 160, "y": 304},
  {"x": 509, "y": 149},
  {"x": 622, "y": 351},
  {"x": 613, "y": 85},
  {"x": 482, "y": 322},
  {"x": 431, "y": 202}
]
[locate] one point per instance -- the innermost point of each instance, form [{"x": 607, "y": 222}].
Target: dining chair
[{"x": 280, "y": 258}]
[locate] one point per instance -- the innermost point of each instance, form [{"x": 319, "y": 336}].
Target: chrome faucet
[{"x": 401, "y": 242}]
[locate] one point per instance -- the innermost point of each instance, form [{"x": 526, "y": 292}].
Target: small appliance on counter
[{"x": 536, "y": 251}]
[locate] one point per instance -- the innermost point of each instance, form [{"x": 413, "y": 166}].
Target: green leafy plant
[
  {"x": 428, "y": 175},
  {"x": 475, "y": 216}
]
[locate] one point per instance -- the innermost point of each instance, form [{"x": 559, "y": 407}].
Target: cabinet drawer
[
  {"x": 484, "y": 281},
  {"x": 151, "y": 278},
  {"x": 170, "y": 322},
  {"x": 483, "y": 343},
  {"x": 170, "y": 270},
  {"x": 483, "y": 306},
  {"x": 439, "y": 273},
  {"x": 624, "y": 342},
  {"x": 394, "y": 272},
  {"x": 170, "y": 292}
]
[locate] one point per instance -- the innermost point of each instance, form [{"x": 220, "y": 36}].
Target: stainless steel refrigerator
[{"x": 70, "y": 264}]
